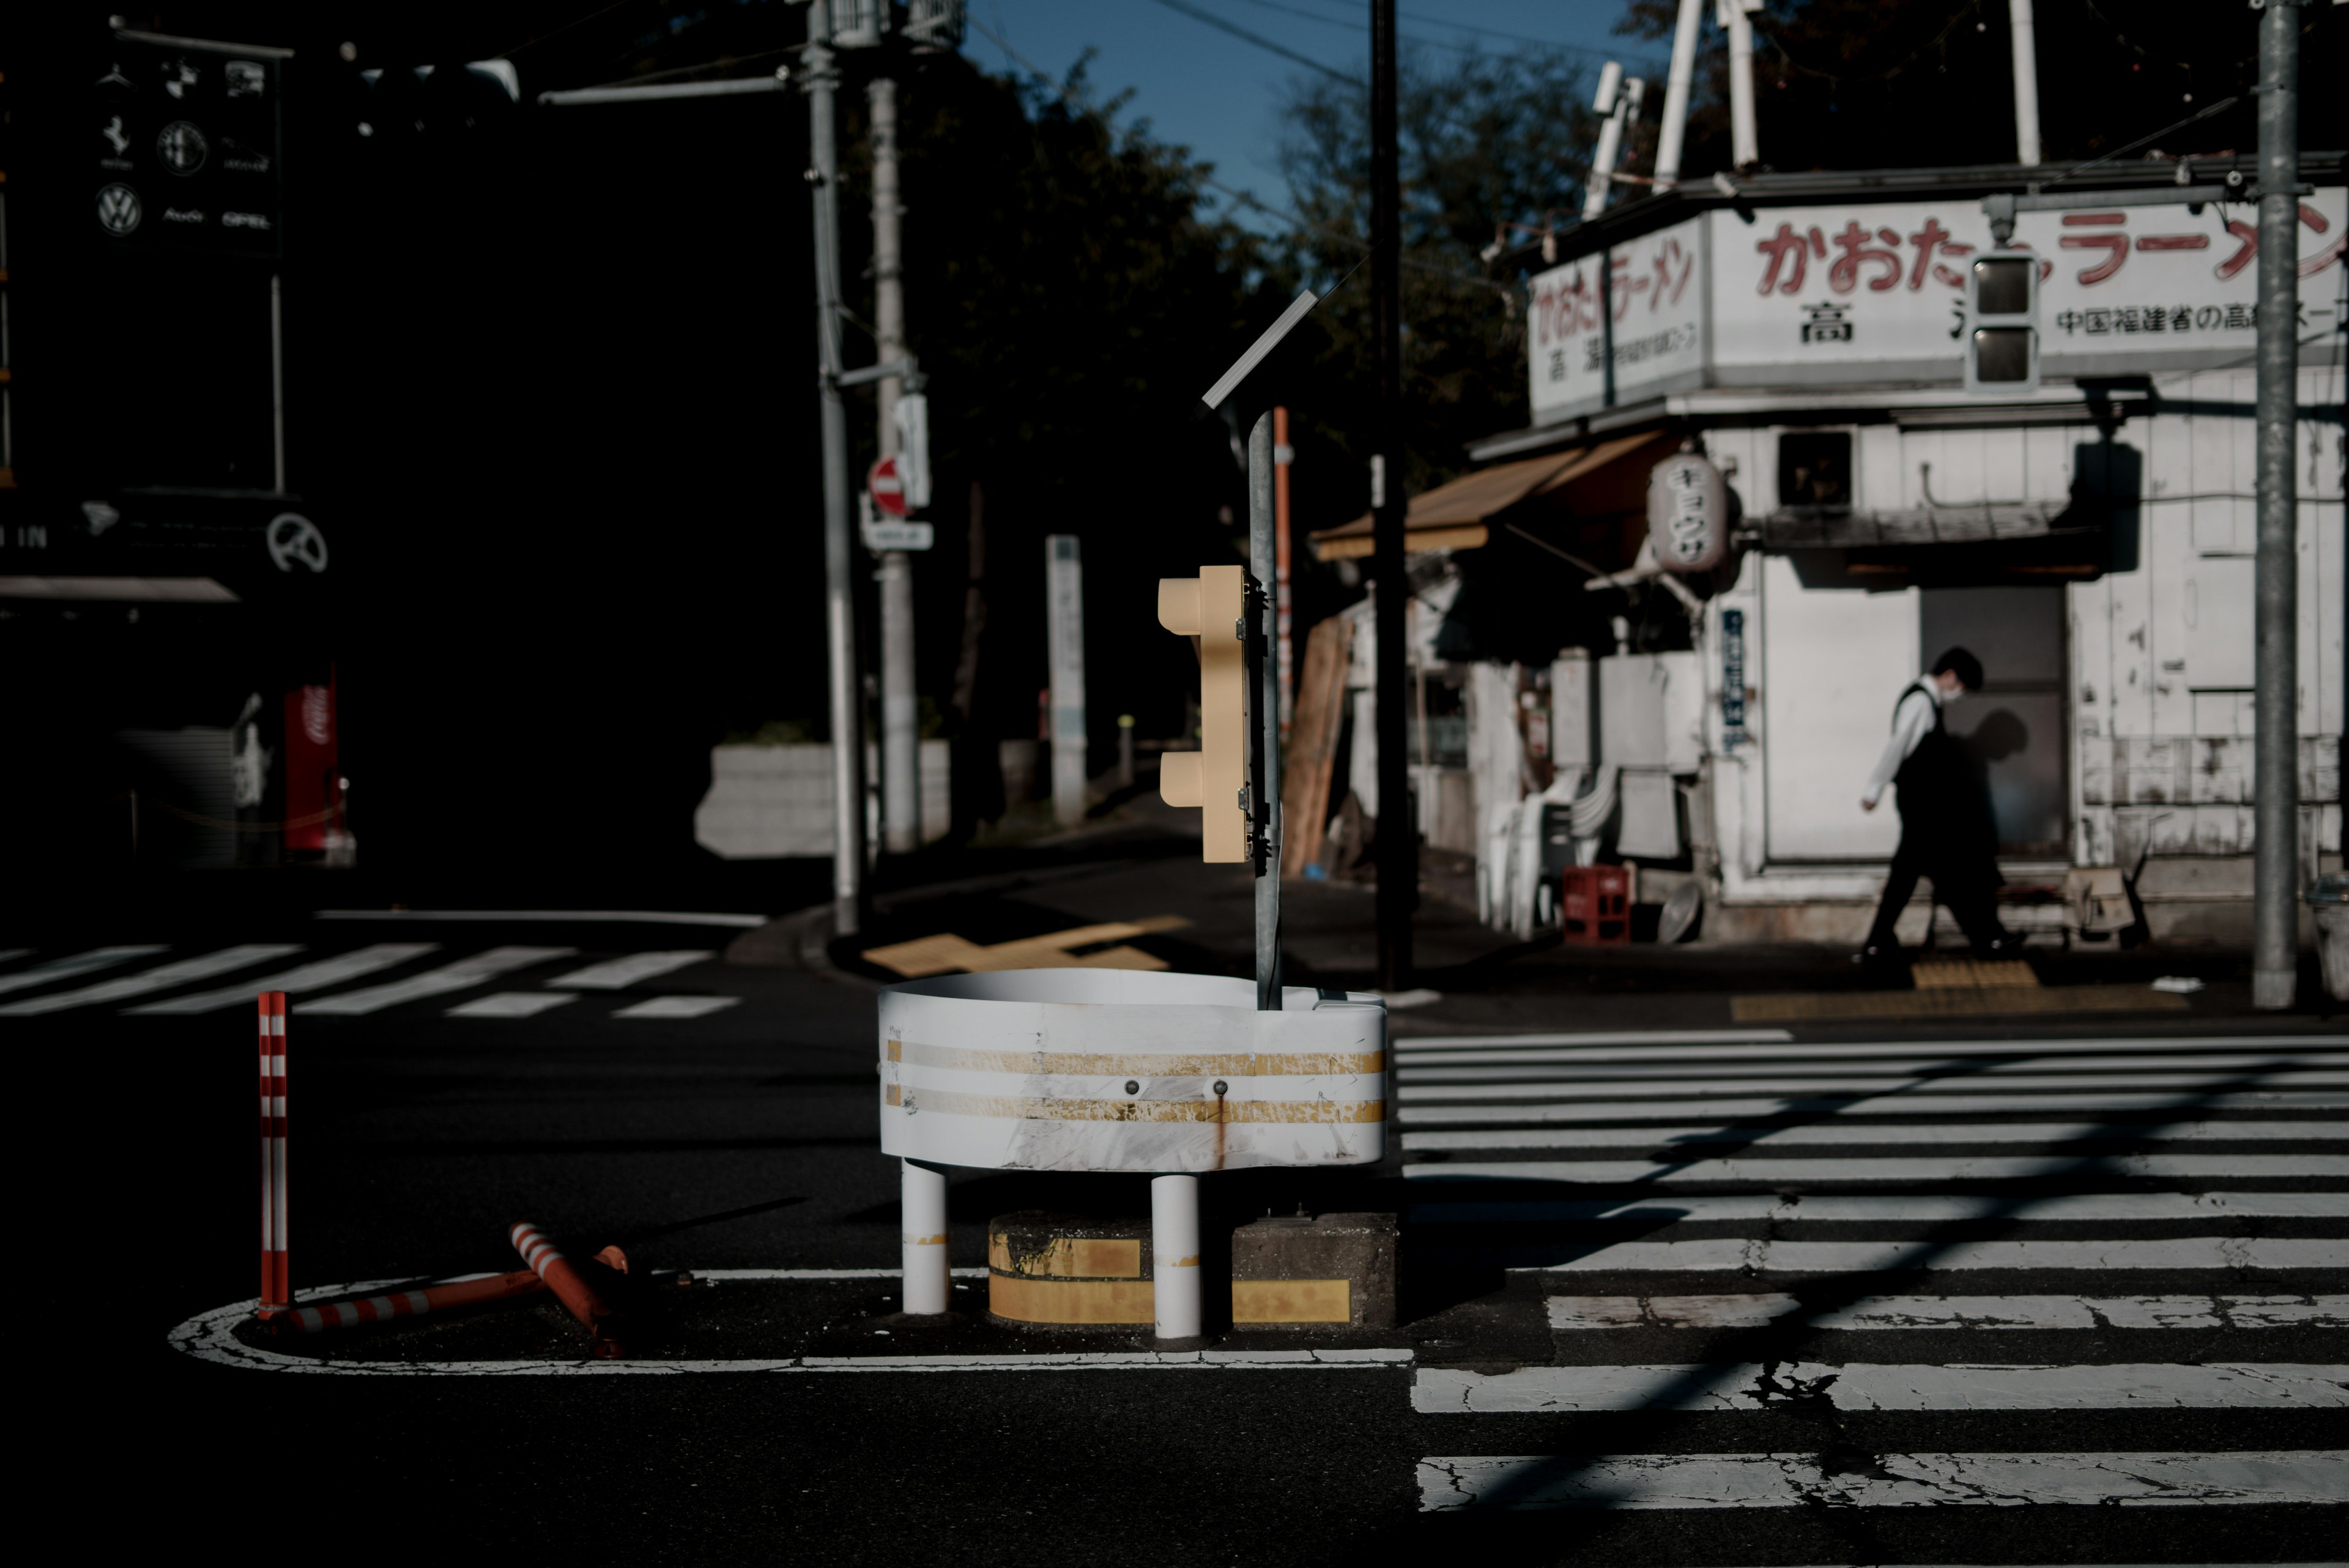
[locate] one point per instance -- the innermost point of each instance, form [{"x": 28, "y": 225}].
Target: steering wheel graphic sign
[{"x": 295, "y": 538}]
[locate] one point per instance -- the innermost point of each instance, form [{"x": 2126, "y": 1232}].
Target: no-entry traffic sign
[{"x": 887, "y": 487}]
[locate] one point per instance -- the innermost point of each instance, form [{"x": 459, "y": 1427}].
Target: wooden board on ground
[
  {"x": 1312, "y": 751},
  {"x": 945, "y": 952}
]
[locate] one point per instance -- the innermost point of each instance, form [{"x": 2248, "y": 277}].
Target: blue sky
[{"x": 1216, "y": 94}]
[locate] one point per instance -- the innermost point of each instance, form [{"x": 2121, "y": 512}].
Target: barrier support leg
[
  {"x": 1175, "y": 1254},
  {"x": 923, "y": 1235}
]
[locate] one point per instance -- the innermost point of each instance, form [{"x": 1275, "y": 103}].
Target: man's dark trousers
[{"x": 1971, "y": 896}]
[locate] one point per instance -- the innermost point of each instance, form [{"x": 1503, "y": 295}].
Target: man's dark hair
[{"x": 1962, "y": 664}]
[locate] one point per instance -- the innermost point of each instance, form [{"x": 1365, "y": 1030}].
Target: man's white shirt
[{"x": 1909, "y": 722}]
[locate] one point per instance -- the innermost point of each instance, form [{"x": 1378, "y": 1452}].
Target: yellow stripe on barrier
[
  {"x": 1071, "y": 1300},
  {"x": 1292, "y": 1301},
  {"x": 1068, "y": 1257},
  {"x": 1264, "y": 1065},
  {"x": 1014, "y": 1107}
]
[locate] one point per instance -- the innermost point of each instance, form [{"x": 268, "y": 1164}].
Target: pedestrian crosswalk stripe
[
  {"x": 462, "y": 975},
  {"x": 1643, "y": 1038},
  {"x": 1875, "y": 1133},
  {"x": 1855, "y": 1107},
  {"x": 678, "y": 1007},
  {"x": 1893, "y": 1480},
  {"x": 1668, "y": 1046},
  {"x": 1911, "y": 1208},
  {"x": 56, "y": 970},
  {"x": 1554, "y": 1080},
  {"x": 1868, "y": 1385},
  {"x": 318, "y": 976},
  {"x": 512, "y": 1005},
  {"x": 614, "y": 974},
  {"x": 2047, "y": 1312},
  {"x": 1977, "y": 1168},
  {"x": 10, "y": 955},
  {"x": 2266, "y": 1074},
  {"x": 164, "y": 977},
  {"x": 1733, "y": 1254}
]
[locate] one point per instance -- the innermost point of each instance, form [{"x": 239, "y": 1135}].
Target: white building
[{"x": 2092, "y": 543}]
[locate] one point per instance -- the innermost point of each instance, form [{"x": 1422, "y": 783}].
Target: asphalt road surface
[{"x": 1919, "y": 1294}]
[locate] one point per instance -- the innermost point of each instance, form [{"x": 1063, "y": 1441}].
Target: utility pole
[
  {"x": 1674, "y": 132},
  {"x": 820, "y": 79},
  {"x": 1264, "y": 711},
  {"x": 2026, "y": 81},
  {"x": 901, "y": 793},
  {"x": 2275, "y": 675},
  {"x": 1398, "y": 829}
]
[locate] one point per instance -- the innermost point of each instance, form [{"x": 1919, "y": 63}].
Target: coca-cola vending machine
[{"x": 315, "y": 823}]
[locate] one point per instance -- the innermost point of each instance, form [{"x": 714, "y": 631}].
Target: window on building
[{"x": 1815, "y": 469}]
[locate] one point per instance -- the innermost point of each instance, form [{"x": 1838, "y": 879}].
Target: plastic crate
[{"x": 1595, "y": 904}]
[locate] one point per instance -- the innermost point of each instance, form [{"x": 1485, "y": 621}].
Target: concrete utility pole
[
  {"x": 1674, "y": 131},
  {"x": 1745, "y": 146},
  {"x": 1398, "y": 829},
  {"x": 819, "y": 79},
  {"x": 2026, "y": 82},
  {"x": 2275, "y": 675},
  {"x": 1264, "y": 714},
  {"x": 901, "y": 743}
]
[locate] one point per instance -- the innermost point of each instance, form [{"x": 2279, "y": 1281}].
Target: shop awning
[{"x": 1453, "y": 516}]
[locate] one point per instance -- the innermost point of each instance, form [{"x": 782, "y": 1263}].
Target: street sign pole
[
  {"x": 819, "y": 79},
  {"x": 1398, "y": 829},
  {"x": 900, "y": 795}
]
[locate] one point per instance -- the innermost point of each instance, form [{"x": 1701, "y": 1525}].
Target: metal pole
[
  {"x": 922, "y": 1234},
  {"x": 2026, "y": 82},
  {"x": 2275, "y": 678},
  {"x": 1264, "y": 705},
  {"x": 1398, "y": 843},
  {"x": 1282, "y": 456},
  {"x": 818, "y": 79},
  {"x": 1613, "y": 100},
  {"x": 900, "y": 788},
  {"x": 277, "y": 381},
  {"x": 1674, "y": 131},
  {"x": 1174, "y": 1255},
  {"x": 1744, "y": 147}
]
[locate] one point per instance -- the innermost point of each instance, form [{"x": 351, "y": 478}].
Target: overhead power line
[{"x": 1259, "y": 41}]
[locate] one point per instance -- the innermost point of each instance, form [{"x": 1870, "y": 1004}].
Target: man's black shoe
[{"x": 1873, "y": 956}]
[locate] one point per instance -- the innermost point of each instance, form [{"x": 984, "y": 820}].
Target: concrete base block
[
  {"x": 1046, "y": 1270},
  {"x": 1333, "y": 1269}
]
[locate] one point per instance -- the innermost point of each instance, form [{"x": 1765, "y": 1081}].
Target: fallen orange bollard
[
  {"x": 572, "y": 1289},
  {"x": 411, "y": 1304}
]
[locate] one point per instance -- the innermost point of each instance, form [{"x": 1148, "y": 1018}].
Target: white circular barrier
[{"x": 1122, "y": 1070}]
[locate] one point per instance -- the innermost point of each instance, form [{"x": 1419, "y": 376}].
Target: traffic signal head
[
  {"x": 1213, "y": 608},
  {"x": 2001, "y": 323}
]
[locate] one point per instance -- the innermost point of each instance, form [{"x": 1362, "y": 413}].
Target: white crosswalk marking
[
  {"x": 1439, "y": 1391},
  {"x": 1909, "y": 1208},
  {"x": 318, "y": 976},
  {"x": 1900, "y": 1481},
  {"x": 10, "y": 955},
  {"x": 1500, "y": 1135},
  {"x": 1984, "y": 1168},
  {"x": 512, "y": 1005},
  {"x": 1731, "y": 1254},
  {"x": 462, "y": 975},
  {"x": 56, "y": 970},
  {"x": 1873, "y": 1134},
  {"x": 678, "y": 1007},
  {"x": 163, "y": 977},
  {"x": 1953, "y": 1311},
  {"x": 614, "y": 974}
]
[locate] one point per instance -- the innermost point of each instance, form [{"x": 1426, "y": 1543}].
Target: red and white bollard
[
  {"x": 276, "y": 1277},
  {"x": 572, "y": 1289},
  {"x": 411, "y": 1304}
]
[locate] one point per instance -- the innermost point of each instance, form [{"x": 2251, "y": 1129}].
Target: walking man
[{"x": 1947, "y": 834}]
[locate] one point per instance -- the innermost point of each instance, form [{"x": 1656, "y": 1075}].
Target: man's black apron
[{"x": 1947, "y": 832}]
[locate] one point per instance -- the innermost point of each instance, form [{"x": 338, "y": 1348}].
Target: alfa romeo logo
[
  {"x": 118, "y": 210},
  {"x": 182, "y": 148}
]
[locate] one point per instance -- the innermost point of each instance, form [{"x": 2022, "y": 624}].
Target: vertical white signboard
[
  {"x": 1065, "y": 638},
  {"x": 1636, "y": 310}
]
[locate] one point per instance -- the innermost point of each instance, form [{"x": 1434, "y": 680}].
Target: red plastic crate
[{"x": 1595, "y": 904}]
